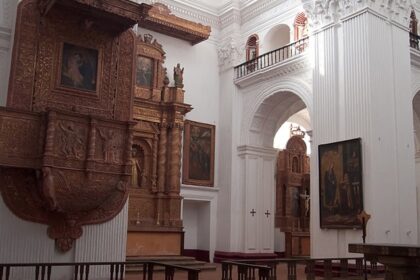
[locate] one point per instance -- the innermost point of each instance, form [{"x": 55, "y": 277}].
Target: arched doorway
[
  {"x": 277, "y": 37},
  {"x": 264, "y": 114}
]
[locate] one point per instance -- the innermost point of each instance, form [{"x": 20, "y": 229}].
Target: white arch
[{"x": 293, "y": 85}]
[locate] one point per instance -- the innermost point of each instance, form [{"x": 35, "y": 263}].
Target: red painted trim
[
  {"x": 280, "y": 254},
  {"x": 221, "y": 256},
  {"x": 200, "y": 255}
]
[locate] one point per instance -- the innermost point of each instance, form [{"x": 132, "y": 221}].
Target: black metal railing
[
  {"x": 82, "y": 271},
  {"x": 414, "y": 41},
  {"x": 266, "y": 269},
  {"x": 271, "y": 58}
]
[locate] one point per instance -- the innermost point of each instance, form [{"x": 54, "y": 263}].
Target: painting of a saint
[
  {"x": 340, "y": 180},
  {"x": 79, "y": 67},
  {"x": 198, "y": 154},
  {"x": 144, "y": 73}
]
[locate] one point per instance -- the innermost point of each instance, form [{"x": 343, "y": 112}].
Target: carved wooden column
[
  {"x": 175, "y": 173},
  {"x": 175, "y": 158},
  {"x": 161, "y": 171}
]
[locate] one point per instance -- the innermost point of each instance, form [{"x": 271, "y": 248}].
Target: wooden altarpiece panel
[
  {"x": 155, "y": 201},
  {"x": 67, "y": 130},
  {"x": 292, "y": 195}
]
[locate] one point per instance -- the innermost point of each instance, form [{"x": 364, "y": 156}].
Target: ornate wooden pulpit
[{"x": 66, "y": 133}]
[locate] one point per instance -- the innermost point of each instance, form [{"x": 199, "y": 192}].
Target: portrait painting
[
  {"x": 144, "y": 72},
  {"x": 79, "y": 67},
  {"x": 198, "y": 156},
  {"x": 340, "y": 182}
]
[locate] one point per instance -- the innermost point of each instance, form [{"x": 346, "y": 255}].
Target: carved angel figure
[{"x": 71, "y": 142}]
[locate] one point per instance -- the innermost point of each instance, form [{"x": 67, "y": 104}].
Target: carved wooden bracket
[{"x": 80, "y": 176}]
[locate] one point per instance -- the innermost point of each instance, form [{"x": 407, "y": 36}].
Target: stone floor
[{"x": 217, "y": 274}]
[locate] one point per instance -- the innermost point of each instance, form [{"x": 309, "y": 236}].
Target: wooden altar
[
  {"x": 402, "y": 262},
  {"x": 155, "y": 226},
  {"x": 292, "y": 195}
]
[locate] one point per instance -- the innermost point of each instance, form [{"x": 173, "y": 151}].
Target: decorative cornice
[
  {"x": 218, "y": 18},
  {"x": 325, "y": 12},
  {"x": 230, "y": 17},
  {"x": 257, "y": 151},
  {"x": 292, "y": 65},
  {"x": 257, "y": 8},
  {"x": 5, "y": 37}
]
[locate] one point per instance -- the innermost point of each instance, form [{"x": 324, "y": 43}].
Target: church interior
[{"x": 209, "y": 139}]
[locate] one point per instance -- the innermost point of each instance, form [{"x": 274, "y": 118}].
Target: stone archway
[{"x": 263, "y": 114}]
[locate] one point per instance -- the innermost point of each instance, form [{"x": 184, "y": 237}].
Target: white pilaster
[{"x": 362, "y": 89}]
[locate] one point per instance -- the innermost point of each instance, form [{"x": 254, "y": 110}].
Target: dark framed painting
[
  {"x": 198, "y": 156},
  {"x": 79, "y": 68},
  {"x": 340, "y": 184},
  {"x": 144, "y": 72}
]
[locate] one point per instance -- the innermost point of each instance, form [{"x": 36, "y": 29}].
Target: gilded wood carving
[
  {"x": 67, "y": 133},
  {"x": 159, "y": 111},
  {"x": 159, "y": 18}
]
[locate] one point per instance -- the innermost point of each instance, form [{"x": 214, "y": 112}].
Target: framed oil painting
[
  {"x": 340, "y": 182},
  {"x": 79, "y": 68},
  {"x": 144, "y": 72},
  {"x": 198, "y": 156}
]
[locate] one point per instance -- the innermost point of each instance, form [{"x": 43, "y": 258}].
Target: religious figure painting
[
  {"x": 198, "y": 159},
  {"x": 144, "y": 73},
  {"x": 79, "y": 67},
  {"x": 340, "y": 181}
]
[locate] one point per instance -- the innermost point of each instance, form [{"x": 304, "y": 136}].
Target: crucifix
[
  {"x": 364, "y": 218},
  {"x": 267, "y": 213},
  {"x": 253, "y": 212}
]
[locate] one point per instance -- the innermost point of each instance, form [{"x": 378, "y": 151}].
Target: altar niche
[
  {"x": 154, "y": 222},
  {"x": 292, "y": 196}
]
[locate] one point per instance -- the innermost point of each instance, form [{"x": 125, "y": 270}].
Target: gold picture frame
[{"x": 198, "y": 154}]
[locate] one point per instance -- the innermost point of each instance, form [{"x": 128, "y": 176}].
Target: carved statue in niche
[{"x": 138, "y": 175}]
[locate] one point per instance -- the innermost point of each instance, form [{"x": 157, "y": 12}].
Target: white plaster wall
[
  {"x": 190, "y": 219},
  {"x": 203, "y": 222},
  {"x": 199, "y": 214},
  {"x": 279, "y": 241},
  {"x": 418, "y": 195}
]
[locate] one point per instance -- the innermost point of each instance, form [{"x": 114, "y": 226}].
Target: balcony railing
[
  {"x": 414, "y": 41},
  {"x": 271, "y": 58}
]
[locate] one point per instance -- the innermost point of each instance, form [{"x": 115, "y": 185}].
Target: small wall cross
[
  {"x": 253, "y": 212},
  {"x": 267, "y": 213}
]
